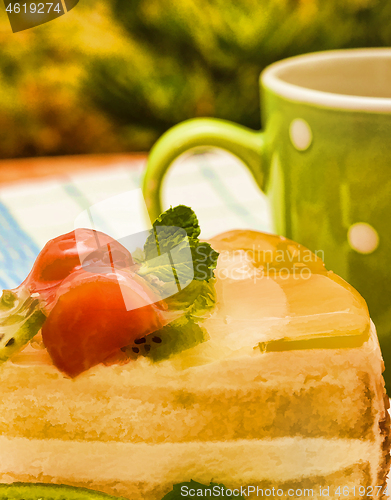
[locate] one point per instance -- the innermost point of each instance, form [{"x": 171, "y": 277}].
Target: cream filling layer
[{"x": 240, "y": 461}]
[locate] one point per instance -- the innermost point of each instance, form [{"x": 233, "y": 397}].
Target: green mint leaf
[
  {"x": 166, "y": 250},
  {"x": 162, "y": 240},
  {"x": 178, "y": 261},
  {"x": 196, "y": 299},
  {"x": 180, "y": 216},
  {"x": 204, "y": 261},
  {"x": 171, "y": 227}
]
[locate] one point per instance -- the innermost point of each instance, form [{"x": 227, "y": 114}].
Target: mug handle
[{"x": 246, "y": 144}]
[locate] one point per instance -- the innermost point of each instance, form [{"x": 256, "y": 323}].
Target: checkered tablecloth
[{"x": 216, "y": 185}]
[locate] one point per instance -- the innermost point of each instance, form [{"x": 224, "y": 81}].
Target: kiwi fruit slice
[
  {"x": 21, "y": 318},
  {"x": 180, "y": 335},
  {"x": 38, "y": 491}
]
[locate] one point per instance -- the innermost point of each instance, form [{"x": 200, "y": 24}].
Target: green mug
[{"x": 323, "y": 159}]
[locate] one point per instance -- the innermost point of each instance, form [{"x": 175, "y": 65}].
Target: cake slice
[{"x": 284, "y": 391}]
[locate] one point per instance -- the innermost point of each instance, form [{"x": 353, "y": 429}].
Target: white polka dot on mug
[
  {"x": 363, "y": 238},
  {"x": 300, "y": 134}
]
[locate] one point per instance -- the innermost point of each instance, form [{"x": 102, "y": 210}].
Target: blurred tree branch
[{"x": 113, "y": 75}]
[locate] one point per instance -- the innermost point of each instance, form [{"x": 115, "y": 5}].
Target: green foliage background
[{"x": 113, "y": 75}]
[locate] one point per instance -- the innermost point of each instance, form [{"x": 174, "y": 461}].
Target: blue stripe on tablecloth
[
  {"x": 81, "y": 199},
  {"x": 17, "y": 251},
  {"x": 225, "y": 195},
  {"x": 73, "y": 192}
]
